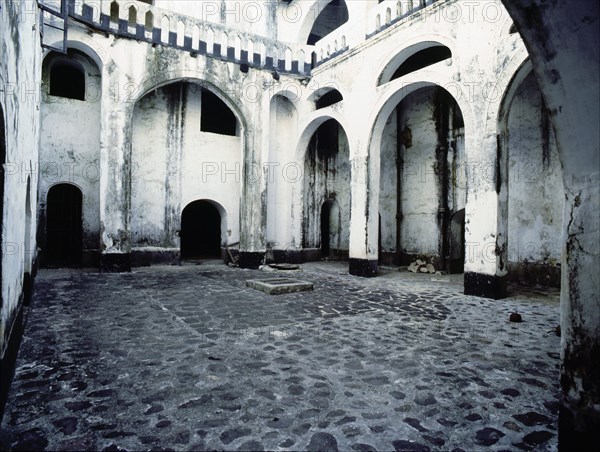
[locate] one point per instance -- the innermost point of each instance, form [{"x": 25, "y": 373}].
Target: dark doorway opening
[
  {"x": 325, "y": 229},
  {"x": 67, "y": 80},
  {"x": 200, "y": 231},
  {"x": 456, "y": 259},
  {"x": 63, "y": 226}
]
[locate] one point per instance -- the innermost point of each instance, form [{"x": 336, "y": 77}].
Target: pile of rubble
[{"x": 420, "y": 266}]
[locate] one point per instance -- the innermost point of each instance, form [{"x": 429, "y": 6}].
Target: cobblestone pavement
[{"x": 189, "y": 358}]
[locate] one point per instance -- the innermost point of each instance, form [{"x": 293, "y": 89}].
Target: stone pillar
[
  {"x": 115, "y": 180},
  {"x": 486, "y": 221},
  {"x": 253, "y": 208},
  {"x": 563, "y": 44},
  {"x": 580, "y": 316},
  {"x": 364, "y": 211}
]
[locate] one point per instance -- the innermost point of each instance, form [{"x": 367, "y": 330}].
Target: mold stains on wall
[
  {"x": 535, "y": 189},
  {"x": 72, "y": 95},
  {"x": 283, "y": 126},
  {"x": 174, "y": 160},
  {"x": 421, "y": 193},
  {"x": 176, "y": 104},
  {"x": 327, "y": 179}
]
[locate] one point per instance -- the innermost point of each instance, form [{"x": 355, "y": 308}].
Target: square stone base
[{"x": 277, "y": 286}]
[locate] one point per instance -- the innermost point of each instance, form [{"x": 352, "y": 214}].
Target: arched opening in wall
[
  {"x": 200, "y": 231},
  {"x": 216, "y": 116},
  {"x": 333, "y": 16},
  {"x": 114, "y": 12},
  {"x": 67, "y": 79},
  {"x": 326, "y": 192},
  {"x": 63, "y": 145},
  {"x": 414, "y": 58},
  {"x": 149, "y": 21},
  {"x": 328, "y": 98},
  {"x": 513, "y": 29},
  {"x": 421, "y": 182},
  {"x": 330, "y": 227},
  {"x": 64, "y": 225},
  {"x": 174, "y": 160},
  {"x": 535, "y": 185},
  {"x": 132, "y": 19}
]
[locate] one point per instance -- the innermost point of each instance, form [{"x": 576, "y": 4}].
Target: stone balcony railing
[
  {"x": 163, "y": 27},
  {"x": 389, "y": 12},
  {"x": 143, "y": 22}
]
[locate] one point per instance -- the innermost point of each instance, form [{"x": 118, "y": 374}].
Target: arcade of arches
[{"x": 401, "y": 143}]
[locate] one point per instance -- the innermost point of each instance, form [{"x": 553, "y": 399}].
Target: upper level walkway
[{"x": 158, "y": 26}]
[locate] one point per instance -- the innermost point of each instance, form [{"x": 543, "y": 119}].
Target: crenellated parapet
[{"x": 142, "y": 22}]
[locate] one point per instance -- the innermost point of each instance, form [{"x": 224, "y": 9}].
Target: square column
[
  {"x": 364, "y": 213},
  {"x": 115, "y": 180},
  {"x": 486, "y": 223}
]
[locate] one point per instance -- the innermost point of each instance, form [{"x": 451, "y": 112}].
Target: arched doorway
[
  {"x": 200, "y": 231},
  {"x": 330, "y": 228},
  {"x": 63, "y": 225},
  {"x": 535, "y": 187},
  {"x": 422, "y": 154},
  {"x": 326, "y": 193}
]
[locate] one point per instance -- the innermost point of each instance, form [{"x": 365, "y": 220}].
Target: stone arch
[
  {"x": 397, "y": 90},
  {"x": 97, "y": 54},
  {"x": 533, "y": 179},
  {"x": 563, "y": 45},
  {"x": 412, "y": 48},
  {"x": 176, "y": 106},
  {"x": 312, "y": 9},
  {"x": 234, "y": 104},
  {"x": 312, "y": 123},
  {"x": 326, "y": 163},
  {"x": 386, "y": 106},
  {"x": 69, "y": 75}
]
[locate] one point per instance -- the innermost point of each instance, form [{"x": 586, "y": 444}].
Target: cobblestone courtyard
[{"x": 189, "y": 358}]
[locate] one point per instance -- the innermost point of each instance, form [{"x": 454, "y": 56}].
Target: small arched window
[
  {"x": 67, "y": 79},
  {"x": 149, "y": 21},
  {"x": 333, "y": 16},
  {"x": 422, "y": 59},
  {"x": 328, "y": 99},
  {"x": 216, "y": 116}
]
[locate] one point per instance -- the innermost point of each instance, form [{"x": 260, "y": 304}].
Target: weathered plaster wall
[
  {"x": 175, "y": 163},
  {"x": 564, "y": 46},
  {"x": 70, "y": 145},
  {"x": 388, "y": 188},
  {"x": 419, "y": 190},
  {"x": 281, "y": 171},
  {"x": 327, "y": 177},
  {"x": 20, "y": 72},
  {"x": 536, "y": 192}
]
